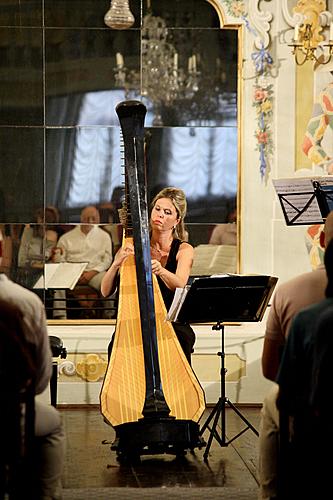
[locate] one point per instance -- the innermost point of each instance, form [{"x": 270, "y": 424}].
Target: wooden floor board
[{"x": 92, "y": 464}]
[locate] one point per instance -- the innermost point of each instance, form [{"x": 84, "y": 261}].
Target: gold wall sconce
[
  {"x": 307, "y": 48},
  {"x": 308, "y": 43}
]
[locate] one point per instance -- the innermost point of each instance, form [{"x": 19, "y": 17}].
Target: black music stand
[
  {"x": 229, "y": 298},
  {"x": 305, "y": 200},
  {"x": 324, "y": 195}
]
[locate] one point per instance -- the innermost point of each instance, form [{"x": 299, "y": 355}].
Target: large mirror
[{"x": 61, "y": 144}]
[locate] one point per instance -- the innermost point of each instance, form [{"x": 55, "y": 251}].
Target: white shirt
[{"x": 94, "y": 248}]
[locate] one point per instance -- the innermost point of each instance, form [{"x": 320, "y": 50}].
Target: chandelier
[
  {"x": 119, "y": 16},
  {"x": 163, "y": 81}
]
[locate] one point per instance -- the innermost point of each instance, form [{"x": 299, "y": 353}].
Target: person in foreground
[
  {"x": 172, "y": 257},
  {"x": 49, "y": 434},
  {"x": 308, "y": 425},
  {"x": 288, "y": 300}
]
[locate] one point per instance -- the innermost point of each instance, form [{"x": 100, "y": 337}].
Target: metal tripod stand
[{"x": 220, "y": 407}]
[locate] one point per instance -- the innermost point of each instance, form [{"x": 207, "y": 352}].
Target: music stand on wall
[{"x": 229, "y": 298}]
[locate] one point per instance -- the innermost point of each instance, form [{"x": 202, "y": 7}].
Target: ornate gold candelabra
[
  {"x": 306, "y": 46},
  {"x": 308, "y": 43}
]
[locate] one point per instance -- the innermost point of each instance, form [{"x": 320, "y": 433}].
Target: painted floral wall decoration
[{"x": 262, "y": 91}]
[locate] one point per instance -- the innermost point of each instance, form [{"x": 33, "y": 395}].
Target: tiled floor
[{"x": 90, "y": 463}]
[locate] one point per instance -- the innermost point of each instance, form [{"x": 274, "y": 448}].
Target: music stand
[
  {"x": 324, "y": 195},
  {"x": 229, "y": 298},
  {"x": 305, "y": 200}
]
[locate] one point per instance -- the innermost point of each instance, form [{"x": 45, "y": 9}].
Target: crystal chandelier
[
  {"x": 163, "y": 81},
  {"x": 119, "y": 16}
]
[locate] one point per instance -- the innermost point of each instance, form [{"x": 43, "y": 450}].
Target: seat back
[{"x": 17, "y": 374}]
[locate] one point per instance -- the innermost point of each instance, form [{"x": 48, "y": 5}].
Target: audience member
[
  {"x": 110, "y": 220},
  {"x": 6, "y": 249},
  {"x": 49, "y": 434},
  {"x": 295, "y": 381},
  {"x": 288, "y": 300},
  {"x": 225, "y": 234},
  {"x": 37, "y": 243},
  {"x": 85, "y": 243}
]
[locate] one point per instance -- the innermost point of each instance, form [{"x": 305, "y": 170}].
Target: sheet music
[
  {"x": 298, "y": 199},
  {"x": 214, "y": 259},
  {"x": 61, "y": 275},
  {"x": 178, "y": 300}
]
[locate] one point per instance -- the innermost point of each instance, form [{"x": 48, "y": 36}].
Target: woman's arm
[
  {"x": 108, "y": 284},
  {"x": 184, "y": 264}
]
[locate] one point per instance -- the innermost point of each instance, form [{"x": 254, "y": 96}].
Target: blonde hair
[{"x": 178, "y": 199}]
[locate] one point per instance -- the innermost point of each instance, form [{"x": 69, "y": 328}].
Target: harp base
[{"x": 150, "y": 436}]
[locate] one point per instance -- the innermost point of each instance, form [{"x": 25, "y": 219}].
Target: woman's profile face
[{"x": 164, "y": 215}]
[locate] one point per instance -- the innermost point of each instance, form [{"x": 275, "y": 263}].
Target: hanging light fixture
[{"x": 119, "y": 16}]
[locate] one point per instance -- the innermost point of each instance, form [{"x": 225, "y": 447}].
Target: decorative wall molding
[
  {"x": 291, "y": 19},
  {"x": 304, "y": 9},
  {"x": 261, "y": 22},
  {"x": 81, "y": 374}
]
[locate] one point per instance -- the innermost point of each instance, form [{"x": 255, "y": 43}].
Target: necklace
[{"x": 158, "y": 252}]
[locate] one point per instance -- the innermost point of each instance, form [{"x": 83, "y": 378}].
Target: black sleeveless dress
[{"x": 184, "y": 332}]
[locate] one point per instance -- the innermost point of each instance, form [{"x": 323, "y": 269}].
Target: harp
[{"x": 150, "y": 394}]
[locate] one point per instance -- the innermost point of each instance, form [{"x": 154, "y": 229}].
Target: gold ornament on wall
[
  {"x": 91, "y": 368},
  {"x": 308, "y": 43}
]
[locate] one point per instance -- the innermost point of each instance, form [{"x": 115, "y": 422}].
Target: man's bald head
[{"x": 89, "y": 216}]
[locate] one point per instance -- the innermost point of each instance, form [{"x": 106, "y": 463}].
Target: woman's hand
[
  {"x": 122, "y": 254},
  {"x": 108, "y": 284},
  {"x": 156, "y": 267}
]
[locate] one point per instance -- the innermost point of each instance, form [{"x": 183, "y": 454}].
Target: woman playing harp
[{"x": 172, "y": 256}]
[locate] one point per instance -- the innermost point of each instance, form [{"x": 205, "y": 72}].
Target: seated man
[
  {"x": 288, "y": 300},
  {"x": 49, "y": 434},
  {"x": 85, "y": 243},
  {"x": 307, "y": 437}
]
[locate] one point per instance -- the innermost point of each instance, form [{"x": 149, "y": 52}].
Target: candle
[
  {"x": 296, "y": 33},
  {"x": 194, "y": 63},
  {"x": 331, "y": 32},
  {"x": 190, "y": 64},
  {"x": 119, "y": 60},
  {"x": 175, "y": 61}
]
